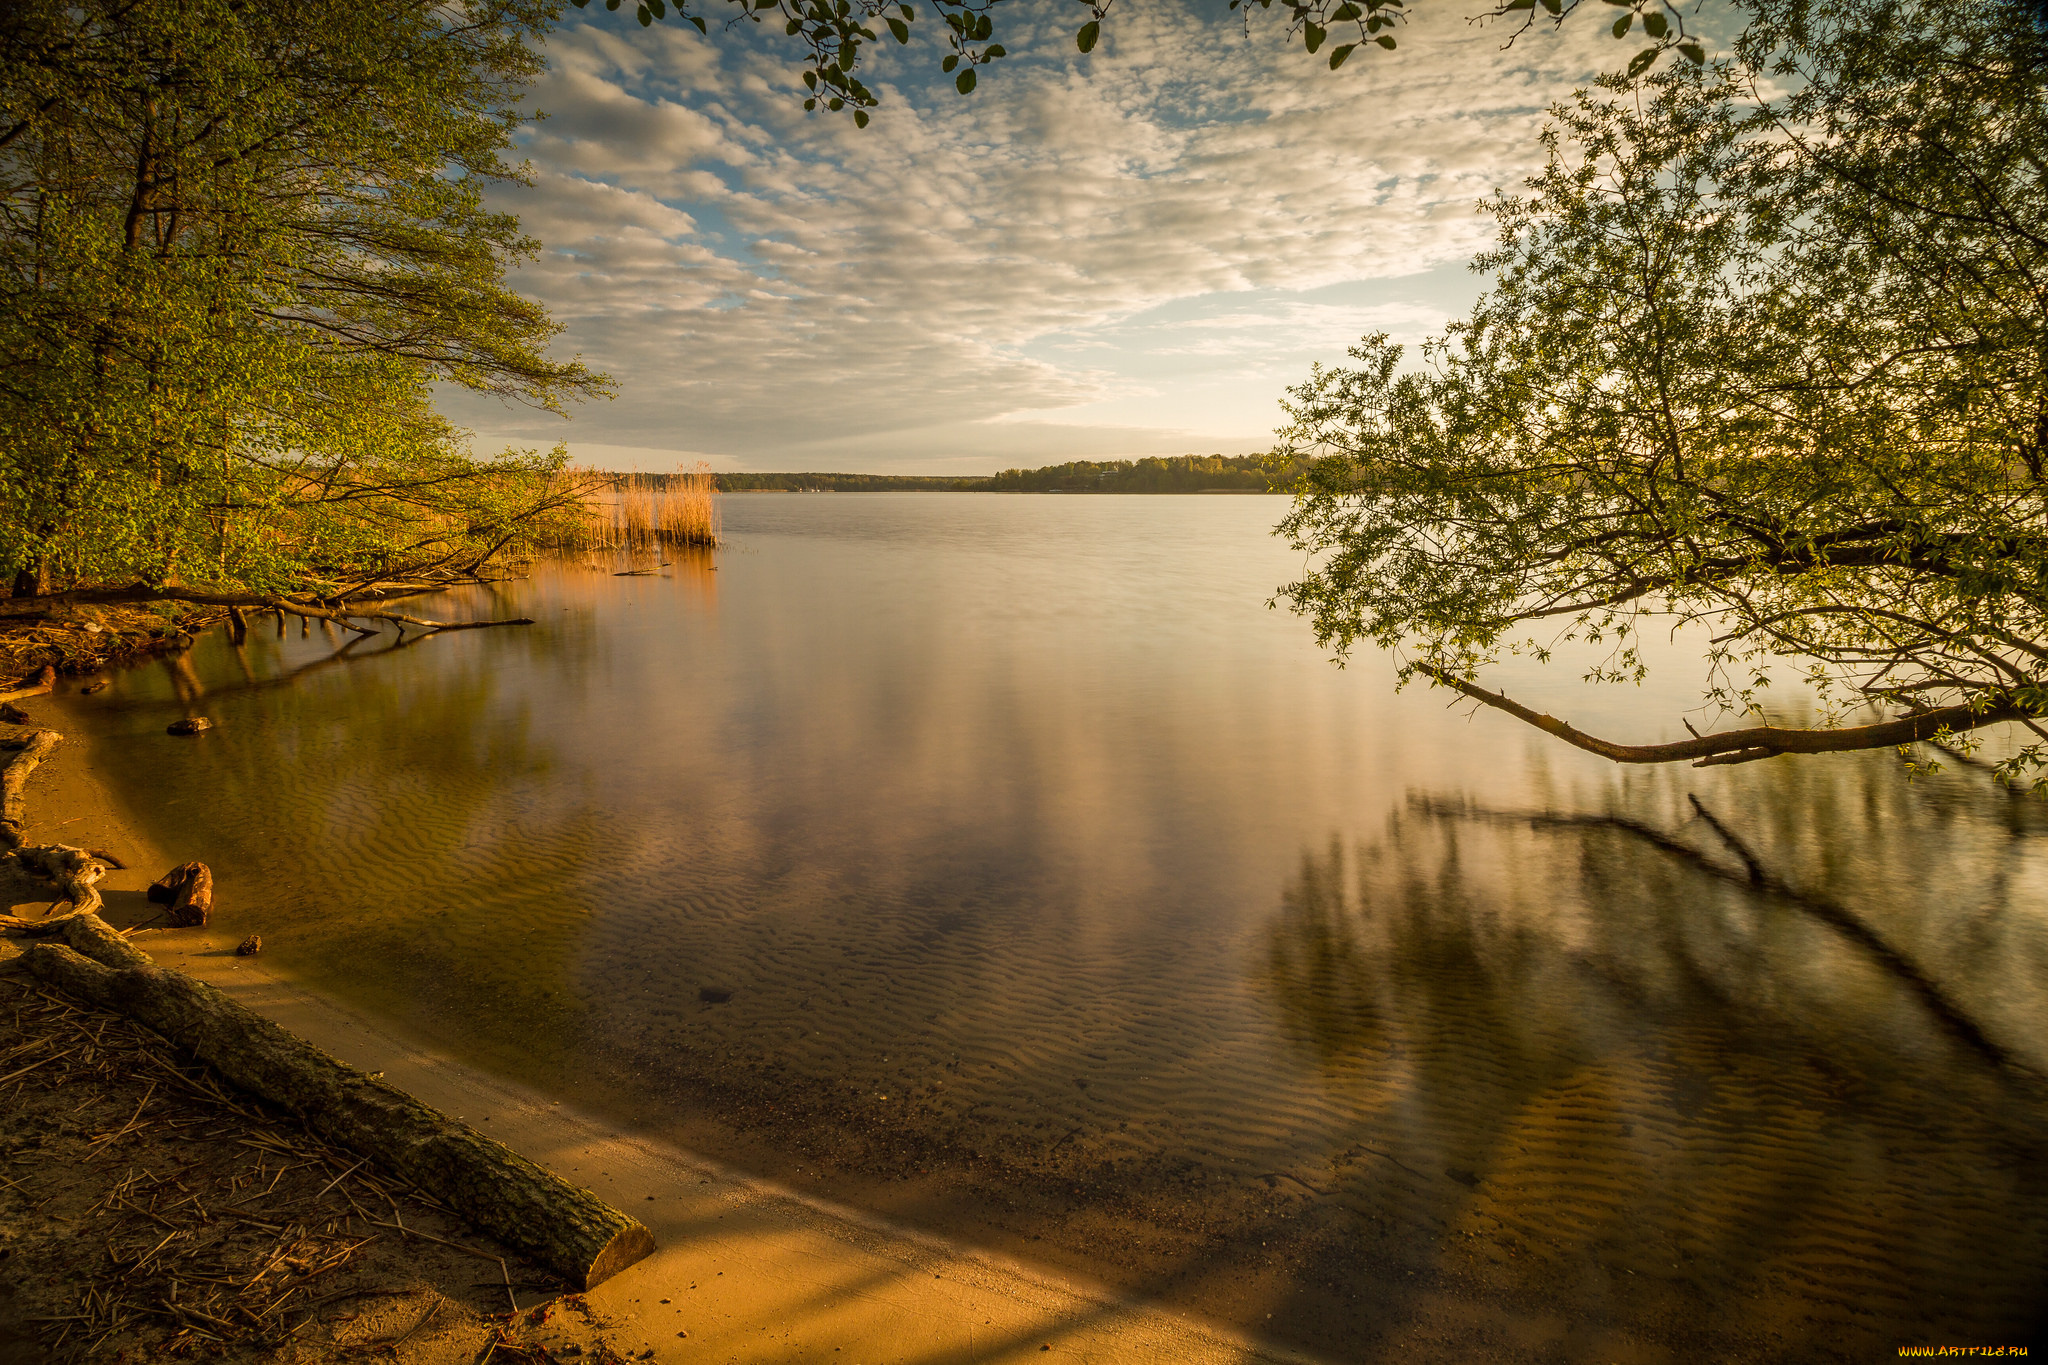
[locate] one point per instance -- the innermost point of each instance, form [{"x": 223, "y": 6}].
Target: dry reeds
[{"x": 644, "y": 512}]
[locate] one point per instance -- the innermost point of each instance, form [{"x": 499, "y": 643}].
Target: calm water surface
[{"x": 1004, "y": 864}]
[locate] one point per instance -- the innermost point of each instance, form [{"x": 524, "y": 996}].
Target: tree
[
  {"x": 239, "y": 241},
  {"x": 832, "y": 33},
  {"x": 1767, "y": 355}
]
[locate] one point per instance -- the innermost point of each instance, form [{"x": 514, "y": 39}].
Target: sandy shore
[{"x": 747, "y": 1270}]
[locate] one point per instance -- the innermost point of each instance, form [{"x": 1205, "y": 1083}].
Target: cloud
[{"x": 1067, "y": 264}]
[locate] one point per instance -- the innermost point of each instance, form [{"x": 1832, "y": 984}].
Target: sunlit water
[{"x": 1007, "y": 865}]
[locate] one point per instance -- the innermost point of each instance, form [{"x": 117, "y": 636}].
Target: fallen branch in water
[{"x": 336, "y": 610}]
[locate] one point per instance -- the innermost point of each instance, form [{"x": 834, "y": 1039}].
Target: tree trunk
[
  {"x": 33, "y": 579},
  {"x": 566, "y": 1228}
]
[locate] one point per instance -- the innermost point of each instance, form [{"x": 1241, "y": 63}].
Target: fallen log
[
  {"x": 566, "y": 1228},
  {"x": 188, "y": 890},
  {"x": 37, "y": 683},
  {"x": 32, "y": 748}
]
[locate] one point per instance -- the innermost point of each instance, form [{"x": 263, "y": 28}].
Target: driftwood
[
  {"x": 31, "y": 749},
  {"x": 188, "y": 890},
  {"x": 76, "y": 872},
  {"x": 566, "y": 1228},
  {"x": 37, "y": 684}
]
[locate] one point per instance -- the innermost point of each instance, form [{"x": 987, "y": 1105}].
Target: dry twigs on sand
[{"x": 167, "y": 1217}]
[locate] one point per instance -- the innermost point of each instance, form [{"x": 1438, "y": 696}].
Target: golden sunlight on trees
[
  {"x": 1767, "y": 353},
  {"x": 238, "y": 243}
]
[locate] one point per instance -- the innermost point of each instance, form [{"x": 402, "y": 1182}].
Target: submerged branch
[{"x": 314, "y": 610}]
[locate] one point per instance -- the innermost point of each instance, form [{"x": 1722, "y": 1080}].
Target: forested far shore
[{"x": 1157, "y": 474}]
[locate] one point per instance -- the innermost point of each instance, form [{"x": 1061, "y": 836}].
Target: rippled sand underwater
[{"x": 1003, "y": 865}]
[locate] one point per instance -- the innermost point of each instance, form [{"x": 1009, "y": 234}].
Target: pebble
[
  {"x": 249, "y": 946},
  {"x": 191, "y": 725}
]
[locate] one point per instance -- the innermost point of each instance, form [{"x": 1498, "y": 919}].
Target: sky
[{"x": 1134, "y": 252}]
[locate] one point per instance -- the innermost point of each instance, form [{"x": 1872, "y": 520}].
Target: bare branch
[{"x": 1756, "y": 742}]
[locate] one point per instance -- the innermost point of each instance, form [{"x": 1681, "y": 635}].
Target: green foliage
[
  {"x": 833, "y": 33},
  {"x": 1768, "y": 351},
  {"x": 239, "y": 241}
]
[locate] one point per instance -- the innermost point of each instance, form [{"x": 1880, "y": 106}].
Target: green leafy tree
[
  {"x": 1767, "y": 355},
  {"x": 239, "y": 242}
]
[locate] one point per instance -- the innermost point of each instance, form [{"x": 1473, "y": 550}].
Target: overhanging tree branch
[{"x": 1755, "y": 742}]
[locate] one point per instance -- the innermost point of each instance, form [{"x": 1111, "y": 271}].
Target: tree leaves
[
  {"x": 234, "y": 386},
  {"x": 1788, "y": 396},
  {"x": 832, "y": 31}
]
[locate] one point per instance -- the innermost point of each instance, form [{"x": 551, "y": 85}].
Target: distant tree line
[
  {"x": 844, "y": 483},
  {"x": 1171, "y": 474}
]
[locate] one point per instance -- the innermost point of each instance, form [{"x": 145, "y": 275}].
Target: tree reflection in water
[{"x": 1586, "y": 1071}]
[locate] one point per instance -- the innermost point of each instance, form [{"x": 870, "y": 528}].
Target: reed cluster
[{"x": 640, "y": 512}]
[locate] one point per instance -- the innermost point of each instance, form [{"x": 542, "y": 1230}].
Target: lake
[{"x": 1006, "y": 866}]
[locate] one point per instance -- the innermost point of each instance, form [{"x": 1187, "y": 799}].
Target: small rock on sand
[
  {"x": 191, "y": 725},
  {"x": 249, "y": 946}
]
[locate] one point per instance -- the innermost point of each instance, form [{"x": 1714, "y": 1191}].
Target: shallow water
[{"x": 1004, "y": 864}]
